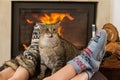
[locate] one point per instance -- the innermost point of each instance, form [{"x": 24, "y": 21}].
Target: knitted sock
[
  {"x": 11, "y": 63},
  {"x": 96, "y": 49},
  {"x": 35, "y": 34},
  {"x": 91, "y": 57},
  {"x": 30, "y": 59}
]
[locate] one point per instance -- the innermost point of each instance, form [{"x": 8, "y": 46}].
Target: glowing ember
[
  {"x": 25, "y": 46},
  {"x": 29, "y": 21},
  {"x": 59, "y": 31},
  {"x": 54, "y": 18}
]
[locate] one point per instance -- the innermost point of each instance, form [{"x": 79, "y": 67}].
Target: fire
[
  {"x": 54, "y": 18},
  {"x": 25, "y": 46},
  {"x": 59, "y": 31},
  {"x": 29, "y": 21},
  {"x": 51, "y": 18}
]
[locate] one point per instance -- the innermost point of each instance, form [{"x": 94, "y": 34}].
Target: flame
[
  {"x": 51, "y": 18},
  {"x": 54, "y": 17},
  {"x": 59, "y": 31},
  {"x": 25, "y": 46},
  {"x": 69, "y": 17},
  {"x": 29, "y": 21}
]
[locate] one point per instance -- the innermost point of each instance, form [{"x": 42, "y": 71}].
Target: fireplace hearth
[{"x": 76, "y": 25}]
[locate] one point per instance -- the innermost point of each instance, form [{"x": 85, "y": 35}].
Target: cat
[{"x": 54, "y": 50}]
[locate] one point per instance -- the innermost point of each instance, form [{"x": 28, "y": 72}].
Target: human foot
[
  {"x": 96, "y": 49},
  {"x": 96, "y": 46},
  {"x": 92, "y": 55}
]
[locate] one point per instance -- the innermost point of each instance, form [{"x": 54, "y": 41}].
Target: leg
[
  {"x": 66, "y": 73},
  {"x": 6, "y": 73},
  {"x": 20, "y": 74},
  {"x": 81, "y": 76},
  {"x": 63, "y": 74},
  {"x": 91, "y": 57}
]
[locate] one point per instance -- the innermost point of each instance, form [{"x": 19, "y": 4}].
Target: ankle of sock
[
  {"x": 87, "y": 55},
  {"x": 93, "y": 64},
  {"x": 80, "y": 63},
  {"x": 85, "y": 61}
]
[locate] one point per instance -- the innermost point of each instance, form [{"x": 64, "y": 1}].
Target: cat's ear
[
  {"x": 41, "y": 25},
  {"x": 57, "y": 24},
  {"x": 36, "y": 25}
]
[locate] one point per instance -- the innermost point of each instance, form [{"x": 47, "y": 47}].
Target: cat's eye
[
  {"x": 47, "y": 29},
  {"x": 53, "y": 29}
]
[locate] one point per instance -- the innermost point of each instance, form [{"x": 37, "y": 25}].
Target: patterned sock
[
  {"x": 96, "y": 49},
  {"x": 35, "y": 35},
  {"x": 30, "y": 59},
  {"x": 11, "y": 63},
  {"x": 92, "y": 55}
]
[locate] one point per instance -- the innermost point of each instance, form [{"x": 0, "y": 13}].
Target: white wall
[
  {"x": 5, "y": 30},
  {"x": 115, "y": 14}
]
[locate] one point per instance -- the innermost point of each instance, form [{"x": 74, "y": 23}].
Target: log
[{"x": 112, "y": 32}]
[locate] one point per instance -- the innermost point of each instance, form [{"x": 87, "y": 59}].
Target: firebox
[{"x": 76, "y": 21}]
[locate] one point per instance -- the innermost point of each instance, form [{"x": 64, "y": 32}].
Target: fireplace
[{"x": 76, "y": 26}]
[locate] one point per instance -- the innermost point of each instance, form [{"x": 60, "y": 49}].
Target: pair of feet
[{"x": 89, "y": 60}]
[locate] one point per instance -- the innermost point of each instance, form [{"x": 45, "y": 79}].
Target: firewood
[
  {"x": 117, "y": 52},
  {"x": 112, "y": 32},
  {"x": 114, "y": 48}
]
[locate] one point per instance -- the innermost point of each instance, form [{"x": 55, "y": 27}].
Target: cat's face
[{"x": 48, "y": 30}]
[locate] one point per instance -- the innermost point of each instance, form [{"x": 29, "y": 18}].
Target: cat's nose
[{"x": 51, "y": 35}]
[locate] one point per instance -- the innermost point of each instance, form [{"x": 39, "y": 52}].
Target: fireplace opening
[{"x": 76, "y": 21}]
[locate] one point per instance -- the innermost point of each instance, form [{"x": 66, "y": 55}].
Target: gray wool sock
[{"x": 92, "y": 56}]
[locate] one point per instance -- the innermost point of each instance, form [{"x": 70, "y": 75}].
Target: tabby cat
[{"x": 54, "y": 51}]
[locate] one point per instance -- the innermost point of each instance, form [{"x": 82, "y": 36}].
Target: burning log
[{"x": 114, "y": 48}]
